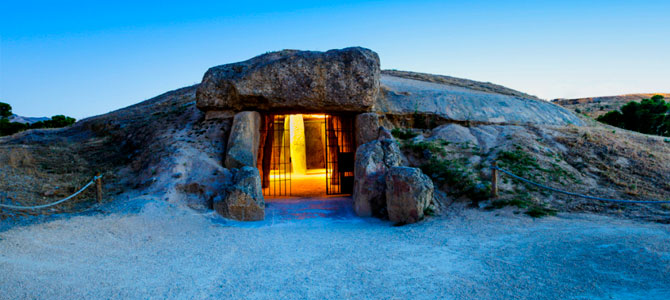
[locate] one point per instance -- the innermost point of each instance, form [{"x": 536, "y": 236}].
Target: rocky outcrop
[
  {"x": 453, "y": 133},
  {"x": 336, "y": 80},
  {"x": 367, "y": 128},
  {"x": 243, "y": 200},
  {"x": 373, "y": 161},
  {"x": 402, "y": 96},
  {"x": 243, "y": 140},
  {"x": 408, "y": 193}
]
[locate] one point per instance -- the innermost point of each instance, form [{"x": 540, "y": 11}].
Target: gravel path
[{"x": 318, "y": 249}]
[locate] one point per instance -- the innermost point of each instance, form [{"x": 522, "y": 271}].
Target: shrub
[
  {"x": 403, "y": 133},
  {"x": 56, "y": 121},
  {"x": 9, "y": 128},
  {"x": 461, "y": 180},
  {"x": 649, "y": 116}
]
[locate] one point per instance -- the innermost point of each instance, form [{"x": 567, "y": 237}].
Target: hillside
[
  {"x": 168, "y": 148},
  {"x": 597, "y": 106}
]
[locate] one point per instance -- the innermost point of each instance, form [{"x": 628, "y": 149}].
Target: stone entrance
[
  {"x": 306, "y": 155},
  {"x": 280, "y": 144}
]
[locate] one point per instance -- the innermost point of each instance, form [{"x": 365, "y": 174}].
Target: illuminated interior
[{"x": 305, "y": 135}]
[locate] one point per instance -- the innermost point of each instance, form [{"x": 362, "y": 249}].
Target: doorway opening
[{"x": 306, "y": 155}]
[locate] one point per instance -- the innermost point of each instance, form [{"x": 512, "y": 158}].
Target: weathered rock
[
  {"x": 243, "y": 140},
  {"x": 405, "y": 96},
  {"x": 244, "y": 200},
  {"x": 408, "y": 193},
  {"x": 373, "y": 160},
  {"x": 367, "y": 128},
  {"x": 454, "y": 133},
  {"x": 336, "y": 80},
  {"x": 384, "y": 134}
]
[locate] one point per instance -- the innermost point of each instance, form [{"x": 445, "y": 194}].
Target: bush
[
  {"x": 56, "y": 121},
  {"x": 461, "y": 180},
  {"x": 649, "y": 116},
  {"x": 9, "y": 128},
  {"x": 403, "y": 133}
]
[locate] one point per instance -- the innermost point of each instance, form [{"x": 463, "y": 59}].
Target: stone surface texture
[
  {"x": 336, "y": 80},
  {"x": 367, "y": 128},
  {"x": 243, "y": 140},
  {"x": 408, "y": 193},
  {"x": 244, "y": 199},
  {"x": 373, "y": 160},
  {"x": 405, "y": 96}
]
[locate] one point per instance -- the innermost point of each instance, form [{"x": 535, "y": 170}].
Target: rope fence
[
  {"x": 96, "y": 179},
  {"x": 494, "y": 188}
]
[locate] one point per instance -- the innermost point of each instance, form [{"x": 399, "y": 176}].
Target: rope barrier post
[
  {"x": 494, "y": 180},
  {"x": 98, "y": 185}
]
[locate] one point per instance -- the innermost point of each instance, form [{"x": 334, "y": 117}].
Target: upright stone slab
[
  {"x": 408, "y": 193},
  {"x": 243, "y": 140},
  {"x": 373, "y": 160},
  {"x": 367, "y": 128}
]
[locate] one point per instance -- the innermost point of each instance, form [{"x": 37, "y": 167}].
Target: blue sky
[{"x": 81, "y": 58}]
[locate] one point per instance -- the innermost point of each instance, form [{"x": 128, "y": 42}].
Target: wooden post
[
  {"x": 98, "y": 185},
  {"x": 494, "y": 181}
]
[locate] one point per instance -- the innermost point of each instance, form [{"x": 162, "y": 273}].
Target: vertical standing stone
[
  {"x": 367, "y": 128},
  {"x": 243, "y": 140}
]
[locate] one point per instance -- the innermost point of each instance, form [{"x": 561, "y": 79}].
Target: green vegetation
[
  {"x": 403, "y": 133},
  {"x": 9, "y": 128},
  {"x": 461, "y": 179},
  {"x": 523, "y": 164},
  {"x": 5, "y": 110},
  {"x": 422, "y": 146},
  {"x": 523, "y": 201},
  {"x": 540, "y": 211},
  {"x": 650, "y": 116}
]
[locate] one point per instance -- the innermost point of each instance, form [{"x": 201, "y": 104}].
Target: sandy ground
[{"x": 143, "y": 248}]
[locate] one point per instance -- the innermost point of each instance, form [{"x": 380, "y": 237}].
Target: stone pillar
[
  {"x": 367, "y": 128},
  {"x": 243, "y": 140}
]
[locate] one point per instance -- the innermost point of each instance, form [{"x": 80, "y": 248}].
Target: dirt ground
[{"x": 144, "y": 247}]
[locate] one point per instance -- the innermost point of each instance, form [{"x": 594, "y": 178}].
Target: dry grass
[
  {"x": 633, "y": 164},
  {"x": 43, "y": 166}
]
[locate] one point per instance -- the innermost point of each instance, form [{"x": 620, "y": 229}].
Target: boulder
[
  {"x": 408, "y": 193},
  {"x": 367, "y": 128},
  {"x": 373, "y": 160},
  {"x": 244, "y": 199},
  {"x": 336, "y": 80},
  {"x": 454, "y": 133},
  {"x": 243, "y": 140}
]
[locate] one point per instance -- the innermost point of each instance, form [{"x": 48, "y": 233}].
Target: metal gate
[
  {"x": 274, "y": 156},
  {"x": 340, "y": 150}
]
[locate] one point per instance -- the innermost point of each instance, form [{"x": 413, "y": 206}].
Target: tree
[
  {"x": 9, "y": 128},
  {"x": 648, "y": 116},
  {"x": 5, "y": 110}
]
